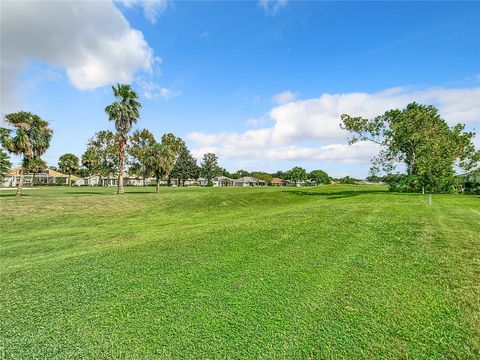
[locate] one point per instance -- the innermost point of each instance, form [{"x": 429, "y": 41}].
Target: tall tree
[
  {"x": 418, "y": 137},
  {"x": 137, "y": 148},
  {"x": 34, "y": 166},
  {"x": 209, "y": 167},
  {"x": 90, "y": 159},
  {"x": 124, "y": 111},
  {"x": 5, "y": 164},
  {"x": 296, "y": 174},
  {"x": 29, "y": 138},
  {"x": 185, "y": 167},
  {"x": 161, "y": 157},
  {"x": 319, "y": 177},
  {"x": 68, "y": 164},
  {"x": 103, "y": 150}
]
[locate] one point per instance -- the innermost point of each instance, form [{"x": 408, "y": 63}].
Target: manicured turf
[{"x": 326, "y": 272}]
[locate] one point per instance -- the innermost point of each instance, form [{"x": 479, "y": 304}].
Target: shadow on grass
[
  {"x": 107, "y": 193},
  {"x": 14, "y": 195},
  {"x": 335, "y": 194}
]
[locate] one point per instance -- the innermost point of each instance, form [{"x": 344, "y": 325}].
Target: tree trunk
[
  {"x": 20, "y": 184},
  {"x": 33, "y": 179},
  {"x": 69, "y": 180},
  {"x": 120, "y": 168},
  {"x": 158, "y": 184}
]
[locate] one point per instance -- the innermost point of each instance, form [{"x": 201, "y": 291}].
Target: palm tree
[
  {"x": 34, "y": 165},
  {"x": 68, "y": 164},
  {"x": 90, "y": 159},
  {"x": 160, "y": 157},
  {"x": 30, "y": 138},
  {"x": 124, "y": 111}
]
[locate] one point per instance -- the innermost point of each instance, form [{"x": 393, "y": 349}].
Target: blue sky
[{"x": 262, "y": 84}]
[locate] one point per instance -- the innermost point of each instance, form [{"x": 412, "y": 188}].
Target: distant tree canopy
[
  {"x": 68, "y": 164},
  {"x": 262, "y": 176},
  {"x": 374, "y": 178},
  {"x": 319, "y": 177},
  {"x": 5, "y": 163},
  {"x": 296, "y": 174},
  {"x": 101, "y": 156},
  {"x": 347, "y": 180},
  {"x": 91, "y": 159},
  {"x": 137, "y": 150},
  {"x": 185, "y": 166},
  {"x": 226, "y": 173},
  {"x": 279, "y": 174},
  {"x": 161, "y": 157},
  {"x": 421, "y": 140},
  {"x": 241, "y": 173},
  {"x": 209, "y": 167}
]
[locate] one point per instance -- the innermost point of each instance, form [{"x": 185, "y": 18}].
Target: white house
[
  {"x": 249, "y": 181},
  {"x": 202, "y": 182},
  {"x": 46, "y": 177},
  {"x": 221, "y": 181}
]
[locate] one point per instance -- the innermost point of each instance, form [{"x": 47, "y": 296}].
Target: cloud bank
[
  {"x": 299, "y": 124},
  {"x": 151, "y": 8},
  {"x": 91, "y": 41}
]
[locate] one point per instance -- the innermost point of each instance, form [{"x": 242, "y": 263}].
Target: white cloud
[
  {"x": 152, "y": 90},
  {"x": 151, "y": 8},
  {"x": 318, "y": 121},
  {"x": 91, "y": 41},
  {"x": 271, "y": 7},
  {"x": 284, "y": 97}
]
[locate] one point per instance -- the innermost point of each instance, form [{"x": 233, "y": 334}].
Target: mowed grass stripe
[{"x": 322, "y": 273}]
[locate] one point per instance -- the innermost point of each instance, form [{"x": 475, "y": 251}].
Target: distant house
[
  {"x": 128, "y": 180},
  {"x": 277, "y": 182},
  {"x": 202, "y": 182},
  {"x": 46, "y": 177},
  {"x": 189, "y": 182},
  {"x": 221, "y": 181},
  {"x": 93, "y": 180},
  {"x": 96, "y": 180},
  {"x": 249, "y": 181}
]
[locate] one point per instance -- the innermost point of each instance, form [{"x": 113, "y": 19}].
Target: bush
[
  {"x": 413, "y": 183},
  {"x": 472, "y": 187},
  {"x": 348, "y": 180}
]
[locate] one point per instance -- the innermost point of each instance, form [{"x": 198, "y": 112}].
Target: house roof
[
  {"x": 249, "y": 179},
  {"x": 276, "y": 181},
  {"x": 50, "y": 172}
]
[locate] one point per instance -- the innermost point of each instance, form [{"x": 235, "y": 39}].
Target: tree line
[{"x": 416, "y": 137}]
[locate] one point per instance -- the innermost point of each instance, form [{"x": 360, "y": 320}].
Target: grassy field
[{"x": 327, "y": 272}]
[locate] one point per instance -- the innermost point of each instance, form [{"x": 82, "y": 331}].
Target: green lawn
[{"x": 326, "y": 272}]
